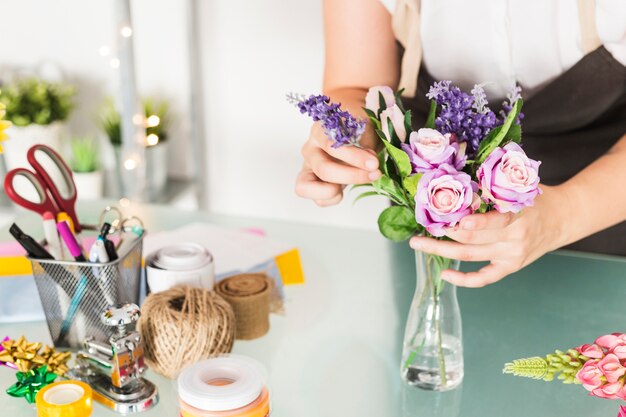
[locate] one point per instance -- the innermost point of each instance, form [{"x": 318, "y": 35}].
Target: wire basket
[{"x": 75, "y": 294}]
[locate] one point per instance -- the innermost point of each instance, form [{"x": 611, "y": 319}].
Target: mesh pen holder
[{"x": 75, "y": 294}]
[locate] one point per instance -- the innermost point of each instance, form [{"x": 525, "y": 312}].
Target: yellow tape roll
[{"x": 64, "y": 399}]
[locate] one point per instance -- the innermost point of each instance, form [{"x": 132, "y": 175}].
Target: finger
[
  {"x": 484, "y": 221},
  {"x": 453, "y": 250},
  {"x": 330, "y": 202},
  {"x": 309, "y": 186},
  {"x": 477, "y": 237},
  {"x": 484, "y": 276},
  {"x": 360, "y": 158},
  {"x": 330, "y": 170}
]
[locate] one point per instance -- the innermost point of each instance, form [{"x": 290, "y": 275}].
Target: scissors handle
[
  {"x": 66, "y": 204},
  {"x": 44, "y": 204}
]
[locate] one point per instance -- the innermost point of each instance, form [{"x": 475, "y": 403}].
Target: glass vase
[{"x": 432, "y": 354}]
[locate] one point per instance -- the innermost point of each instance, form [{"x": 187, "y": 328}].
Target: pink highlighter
[{"x": 70, "y": 241}]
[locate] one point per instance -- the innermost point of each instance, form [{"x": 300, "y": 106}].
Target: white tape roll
[
  {"x": 220, "y": 384},
  {"x": 182, "y": 264}
]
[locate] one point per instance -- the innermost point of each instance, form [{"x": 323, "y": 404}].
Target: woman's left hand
[{"x": 509, "y": 241}]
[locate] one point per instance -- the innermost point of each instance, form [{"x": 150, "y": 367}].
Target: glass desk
[{"x": 337, "y": 349}]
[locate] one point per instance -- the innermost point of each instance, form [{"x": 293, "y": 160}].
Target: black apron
[{"x": 567, "y": 125}]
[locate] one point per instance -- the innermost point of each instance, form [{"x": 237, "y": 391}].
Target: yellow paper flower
[{"x": 4, "y": 124}]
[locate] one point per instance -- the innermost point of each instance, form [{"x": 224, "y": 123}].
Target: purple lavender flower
[
  {"x": 507, "y": 105},
  {"x": 464, "y": 115},
  {"x": 339, "y": 125}
]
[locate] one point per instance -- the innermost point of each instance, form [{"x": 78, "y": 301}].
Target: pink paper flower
[
  {"x": 619, "y": 351},
  {"x": 608, "y": 391},
  {"x": 372, "y": 101},
  {"x": 591, "y": 351},
  {"x": 590, "y": 375},
  {"x": 611, "y": 367},
  {"x": 622, "y": 410},
  {"x": 509, "y": 179},
  {"x": 428, "y": 149},
  {"x": 610, "y": 341},
  {"x": 396, "y": 116},
  {"x": 444, "y": 196}
]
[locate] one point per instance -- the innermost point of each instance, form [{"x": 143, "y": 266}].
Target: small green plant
[
  {"x": 156, "y": 122},
  {"x": 32, "y": 101},
  {"x": 84, "y": 155}
]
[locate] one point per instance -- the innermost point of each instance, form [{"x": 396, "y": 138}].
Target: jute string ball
[
  {"x": 184, "y": 325},
  {"x": 249, "y": 295}
]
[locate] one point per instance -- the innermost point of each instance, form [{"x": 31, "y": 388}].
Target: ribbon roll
[
  {"x": 249, "y": 295},
  {"x": 65, "y": 399},
  {"x": 224, "y": 386}
]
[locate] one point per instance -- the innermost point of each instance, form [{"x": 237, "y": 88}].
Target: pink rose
[
  {"x": 590, "y": 375},
  {"x": 444, "y": 196},
  {"x": 372, "y": 101},
  {"x": 608, "y": 391},
  {"x": 591, "y": 351},
  {"x": 396, "y": 116},
  {"x": 610, "y": 341},
  {"x": 509, "y": 179},
  {"x": 611, "y": 367},
  {"x": 428, "y": 149}
]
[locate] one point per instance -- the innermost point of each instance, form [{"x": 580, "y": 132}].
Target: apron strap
[
  {"x": 406, "y": 28},
  {"x": 589, "y": 39}
]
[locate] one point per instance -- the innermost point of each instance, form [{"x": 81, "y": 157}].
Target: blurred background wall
[{"x": 252, "y": 52}]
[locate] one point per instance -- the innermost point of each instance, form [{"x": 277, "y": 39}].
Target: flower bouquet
[
  {"x": 466, "y": 159},
  {"x": 599, "y": 367}
]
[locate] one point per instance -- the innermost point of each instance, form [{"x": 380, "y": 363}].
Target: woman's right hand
[{"x": 326, "y": 170}]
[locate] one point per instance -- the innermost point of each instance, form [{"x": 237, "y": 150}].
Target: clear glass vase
[{"x": 432, "y": 354}]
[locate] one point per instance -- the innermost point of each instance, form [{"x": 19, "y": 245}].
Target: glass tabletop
[{"x": 336, "y": 351}]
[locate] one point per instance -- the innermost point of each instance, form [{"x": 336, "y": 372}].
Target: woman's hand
[
  {"x": 326, "y": 171},
  {"x": 509, "y": 241}
]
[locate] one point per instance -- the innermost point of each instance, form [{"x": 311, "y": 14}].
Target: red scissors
[{"x": 49, "y": 188}]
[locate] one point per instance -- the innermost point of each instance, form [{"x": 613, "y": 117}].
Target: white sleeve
[
  {"x": 611, "y": 22},
  {"x": 389, "y": 4}
]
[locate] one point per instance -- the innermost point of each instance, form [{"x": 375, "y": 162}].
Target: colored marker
[
  {"x": 34, "y": 249},
  {"x": 70, "y": 241}
]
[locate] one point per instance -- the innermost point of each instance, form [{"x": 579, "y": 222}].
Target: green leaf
[
  {"x": 382, "y": 105},
  {"x": 399, "y": 103},
  {"x": 400, "y": 158},
  {"x": 514, "y": 134},
  {"x": 382, "y": 156},
  {"x": 395, "y": 139},
  {"x": 430, "y": 121},
  {"x": 397, "y": 223},
  {"x": 497, "y": 135},
  {"x": 365, "y": 194},
  {"x": 386, "y": 185},
  {"x": 408, "y": 126},
  {"x": 410, "y": 183}
]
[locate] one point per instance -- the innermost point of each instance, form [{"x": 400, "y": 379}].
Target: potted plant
[
  {"x": 156, "y": 123},
  {"x": 37, "y": 111},
  {"x": 86, "y": 168}
]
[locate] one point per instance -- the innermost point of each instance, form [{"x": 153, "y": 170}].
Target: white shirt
[{"x": 502, "y": 42}]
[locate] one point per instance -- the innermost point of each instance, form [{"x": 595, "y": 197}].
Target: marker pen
[
  {"x": 70, "y": 241},
  {"x": 34, "y": 249},
  {"x": 108, "y": 245},
  {"x": 52, "y": 236}
]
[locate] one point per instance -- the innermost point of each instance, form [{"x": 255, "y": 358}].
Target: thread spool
[
  {"x": 181, "y": 264},
  {"x": 64, "y": 399},
  {"x": 249, "y": 295},
  {"x": 232, "y": 386},
  {"x": 183, "y": 325}
]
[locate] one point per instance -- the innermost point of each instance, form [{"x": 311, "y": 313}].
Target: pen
[
  {"x": 52, "y": 236},
  {"x": 98, "y": 252},
  {"x": 34, "y": 249},
  {"x": 70, "y": 241},
  {"x": 64, "y": 217},
  {"x": 108, "y": 245}
]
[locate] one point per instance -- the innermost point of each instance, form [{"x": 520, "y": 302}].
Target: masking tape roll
[
  {"x": 258, "y": 408},
  {"x": 223, "y": 383},
  {"x": 64, "y": 399}
]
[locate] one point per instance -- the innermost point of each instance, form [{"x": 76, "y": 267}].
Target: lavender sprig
[
  {"x": 339, "y": 125},
  {"x": 513, "y": 95}
]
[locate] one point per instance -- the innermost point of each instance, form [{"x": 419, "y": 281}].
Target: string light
[
  {"x": 138, "y": 119},
  {"x": 126, "y": 31},
  {"x": 152, "y": 139},
  {"x": 130, "y": 164},
  {"x": 124, "y": 202},
  {"x": 114, "y": 63},
  {"x": 153, "y": 120},
  {"x": 105, "y": 50}
]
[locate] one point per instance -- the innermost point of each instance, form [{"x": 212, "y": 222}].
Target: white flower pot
[
  {"x": 88, "y": 185},
  {"x": 22, "y": 138}
]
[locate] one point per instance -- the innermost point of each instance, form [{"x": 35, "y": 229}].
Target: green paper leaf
[
  {"x": 497, "y": 135},
  {"x": 400, "y": 158},
  {"x": 397, "y": 223},
  {"x": 432, "y": 113},
  {"x": 410, "y": 184}
]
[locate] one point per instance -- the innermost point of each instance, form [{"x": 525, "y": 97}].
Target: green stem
[{"x": 440, "y": 355}]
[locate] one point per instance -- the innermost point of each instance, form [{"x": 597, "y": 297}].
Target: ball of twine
[{"x": 183, "y": 325}]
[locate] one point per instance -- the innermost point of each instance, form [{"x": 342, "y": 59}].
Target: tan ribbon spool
[{"x": 249, "y": 295}]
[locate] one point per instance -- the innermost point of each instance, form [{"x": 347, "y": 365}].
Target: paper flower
[{"x": 29, "y": 383}]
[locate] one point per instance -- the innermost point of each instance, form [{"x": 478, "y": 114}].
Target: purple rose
[
  {"x": 444, "y": 196},
  {"x": 372, "y": 100},
  {"x": 509, "y": 179},
  {"x": 428, "y": 149},
  {"x": 396, "y": 116}
]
